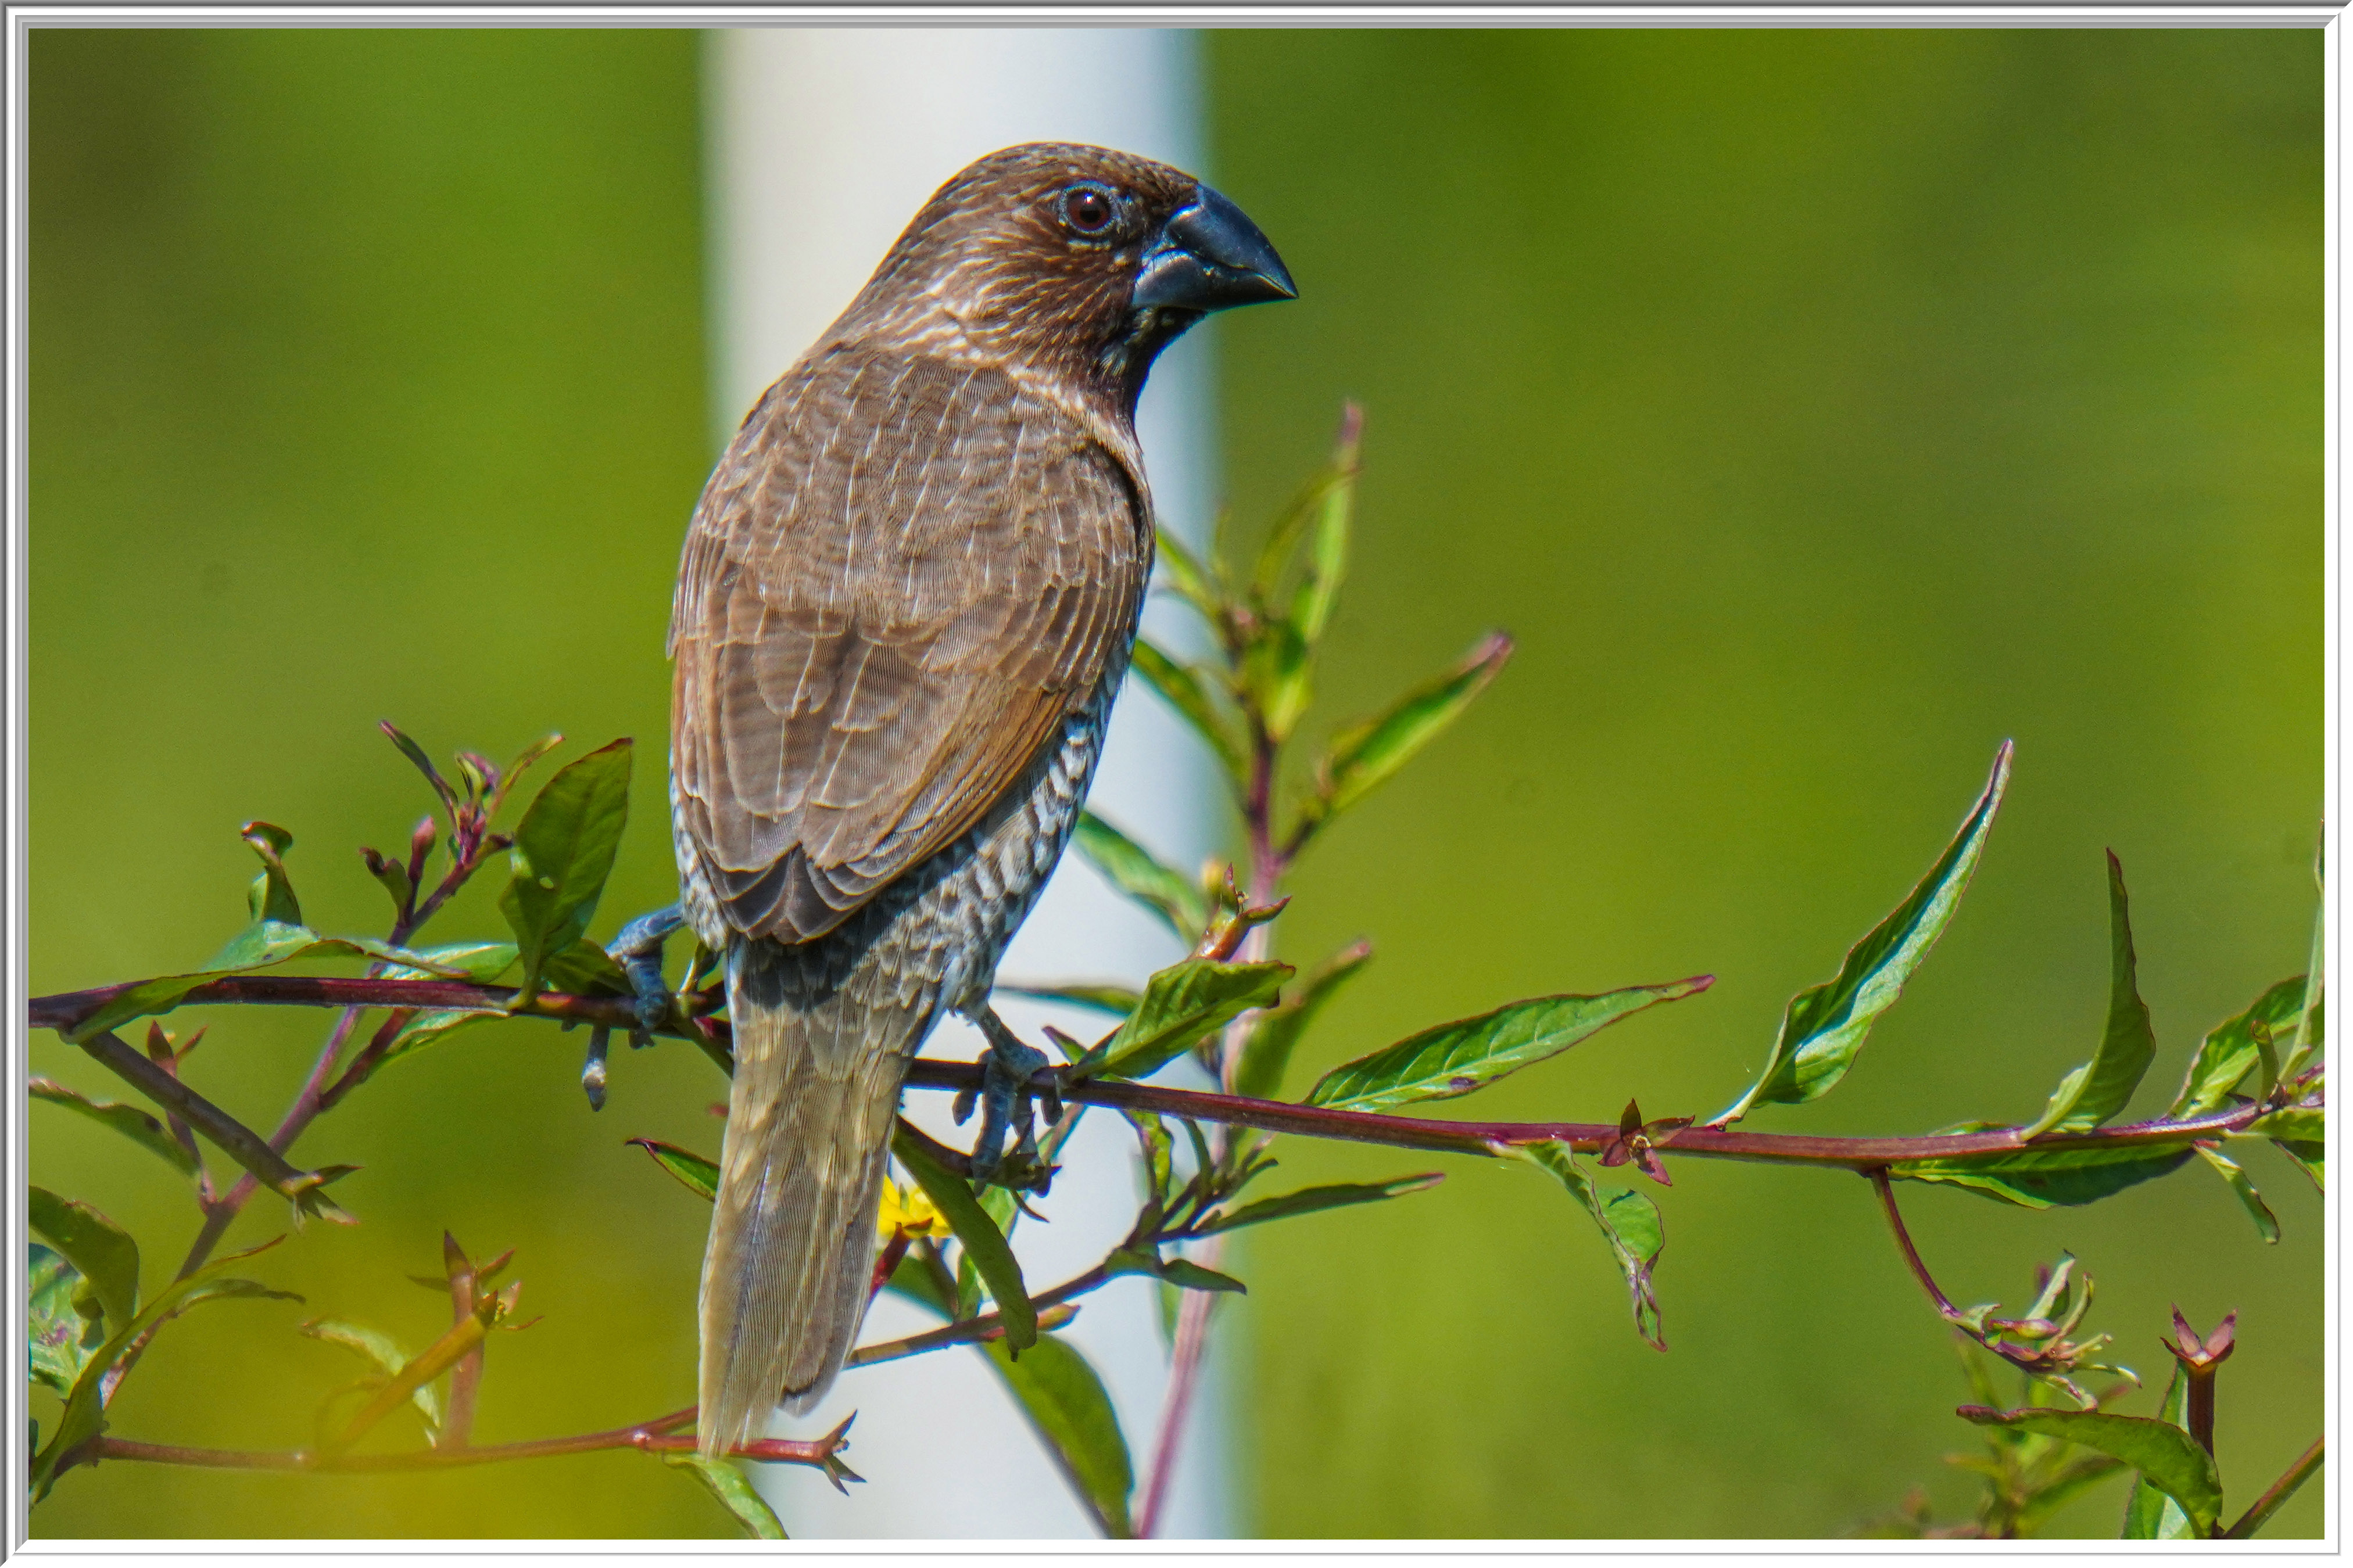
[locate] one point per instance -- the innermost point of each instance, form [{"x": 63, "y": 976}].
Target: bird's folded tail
[{"x": 787, "y": 1271}]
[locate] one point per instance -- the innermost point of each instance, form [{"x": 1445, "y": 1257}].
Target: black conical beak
[{"x": 1211, "y": 257}]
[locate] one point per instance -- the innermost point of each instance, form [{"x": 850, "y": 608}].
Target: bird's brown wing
[{"x": 903, "y": 577}]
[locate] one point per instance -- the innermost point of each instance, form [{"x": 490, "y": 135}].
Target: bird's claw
[
  {"x": 638, "y": 951},
  {"x": 1007, "y": 1092}
]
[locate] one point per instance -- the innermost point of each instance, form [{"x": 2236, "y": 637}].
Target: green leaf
[
  {"x": 1469, "y": 1054},
  {"x": 380, "y": 1351},
  {"x": 1364, "y": 756},
  {"x": 2307, "y": 1040},
  {"x": 564, "y": 850},
  {"x": 128, "y": 1119},
  {"x": 1327, "y": 550},
  {"x": 984, "y": 1243},
  {"x": 1188, "y": 577},
  {"x": 1309, "y": 1200},
  {"x": 1277, "y": 1033},
  {"x": 914, "y": 1280},
  {"x": 2266, "y": 1224},
  {"x": 100, "y": 1251},
  {"x": 2311, "y": 1158},
  {"x": 2296, "y": 1121},
  {"x": 1183, "y": 1005},
  {"x": 1116, "y": 1000},
  {"x": 725, "y": 1479},
  {"x": 584, "y": 969},
  {"x": 1277, "y": 670},
  {"x": 271, "y": 897},
  {"x": 2042, "y": 1178},
  {"x": 2092, "y": 1094},
  {"x": 430, "y": 1026},
  {"x": 2149, "y": 1514},
  {"x": 1629, "y": 1221},
  {"x": 695, "y": 1174},
  {"x": 482, "y": 962},
  {"x": 2165, "y": 1454},
  {"x": 1181, "y": 687},
  {"x": 1127, "y": 865},
  {"x": 1066, "y": 1405},
  {"x": 424, "y": 764},
  {"x": 1824, "y": 1027},
  {"x": 1187, "y": 1275},
  {"x": 84, "y": 1415},
  {"x": 1324, "y": 505},
  {"x": 261, "y": 945},
  {"x": 59, "y": 1337},
  {"x": 2230, "y": 1050}
]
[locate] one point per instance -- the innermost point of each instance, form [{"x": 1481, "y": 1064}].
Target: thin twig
[
  {"x": 1887, "y": 1190},
  {"x": 2272, "y": 1501},
  {"x": 1273, "y": 1116},
  {"x": 648, "y": 1436},
  {"x": 236, "y": 1140}
]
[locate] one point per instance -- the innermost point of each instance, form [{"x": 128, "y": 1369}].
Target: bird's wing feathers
[{"x": 902, "y": 578}]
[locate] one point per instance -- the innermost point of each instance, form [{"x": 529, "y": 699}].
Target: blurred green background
[{"x": 1818, "y": 408}]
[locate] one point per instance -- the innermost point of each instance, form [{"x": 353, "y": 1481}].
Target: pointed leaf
[
  {"x": 984, "y": 1243},
  {"x": 1327, "y": 549},
  {"x": 100, "y": 1251},
  {"x": 1308, "y": 1200},
  {"x": 84, "y": 1415},
  {"x": 1183, "y": 1005},
  {"x": 2243, "y": 1189},
  {"x": 59, "y": 1338},
  {"x": 1629, "y": 1221},
  {"x": 2229, "y": 1052},
  {"x": 128, "y": 1119},
  {"x": 272, "y": 895},
  {"x": 725, "y": 1480},
  {"x": 2165, "y": 1454},
  {"x": 1181, "y": 687},
  {"x": 2095, "y": 1092},
  {"x": 1267, "y": 1053},
  {"x": 2042, "y": 1178},
  {"x": 1188, "y": 578},
  {"x": 1187, "y": 1275},
  {"x": 424, "y": 764},
  {"x": 1277, "y": 670},
  {"x": 261, "y": 945},
  {"x": 432, "y": 1026},
  {"x": 1130, "y": 868},
  {"x": 695, "y": 1174},
  {"x": 1068, "y": 1408},
  {"x": 1469, "y": 1054},
  {"x": 380, "y": 1351},
  {"x": 1824, "y": 1027},
  {"x": 2311, "y": 1158},
  {"x": 2307, "y": 1040},
  {"x": 481, "y": 962},
  {"x": 1361, "y": 758},
  {"x": 2149, "y": 1514},
  {"x": 564, "y": 850},
  {"x": 584, "y": 969}
]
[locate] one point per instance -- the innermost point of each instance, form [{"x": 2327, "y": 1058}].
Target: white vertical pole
[{"x": 823, "y": 143}]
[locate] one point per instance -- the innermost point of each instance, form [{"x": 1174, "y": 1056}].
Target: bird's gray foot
[
  {"x": 638, "y": 951},
  {"x": 1006, "y": 1092}
]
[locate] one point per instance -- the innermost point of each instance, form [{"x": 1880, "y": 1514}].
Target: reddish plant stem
[
  {"x": 1193, "y": 1315},
  {"x": 1272, "y": 1116},
  {"x": 648, "y": 1436},
  {"x": 466, "y": 1377},
  {"x": 1887, "y": 1190}
]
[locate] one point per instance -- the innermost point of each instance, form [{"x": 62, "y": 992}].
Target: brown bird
[{"x": 908, "y": 597}]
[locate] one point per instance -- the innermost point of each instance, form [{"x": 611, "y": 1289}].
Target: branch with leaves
[{"x": 1233, "y": 1008}]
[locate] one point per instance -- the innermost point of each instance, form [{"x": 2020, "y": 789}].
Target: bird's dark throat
[{"x": 1126, "y": 360}]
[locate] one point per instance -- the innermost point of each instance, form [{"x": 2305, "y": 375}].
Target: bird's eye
[{"x": 1087, "y": 209}]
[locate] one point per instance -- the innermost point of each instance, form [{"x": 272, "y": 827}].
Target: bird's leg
[
  {"x": 1005, "y": 1075},
  {"x": 638, "y": 951}
]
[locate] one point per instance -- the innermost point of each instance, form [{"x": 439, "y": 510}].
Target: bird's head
[{"x": 1079, "y": 262}]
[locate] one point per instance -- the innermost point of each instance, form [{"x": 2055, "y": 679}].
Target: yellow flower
[{"x": 911, "y": 1211}]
